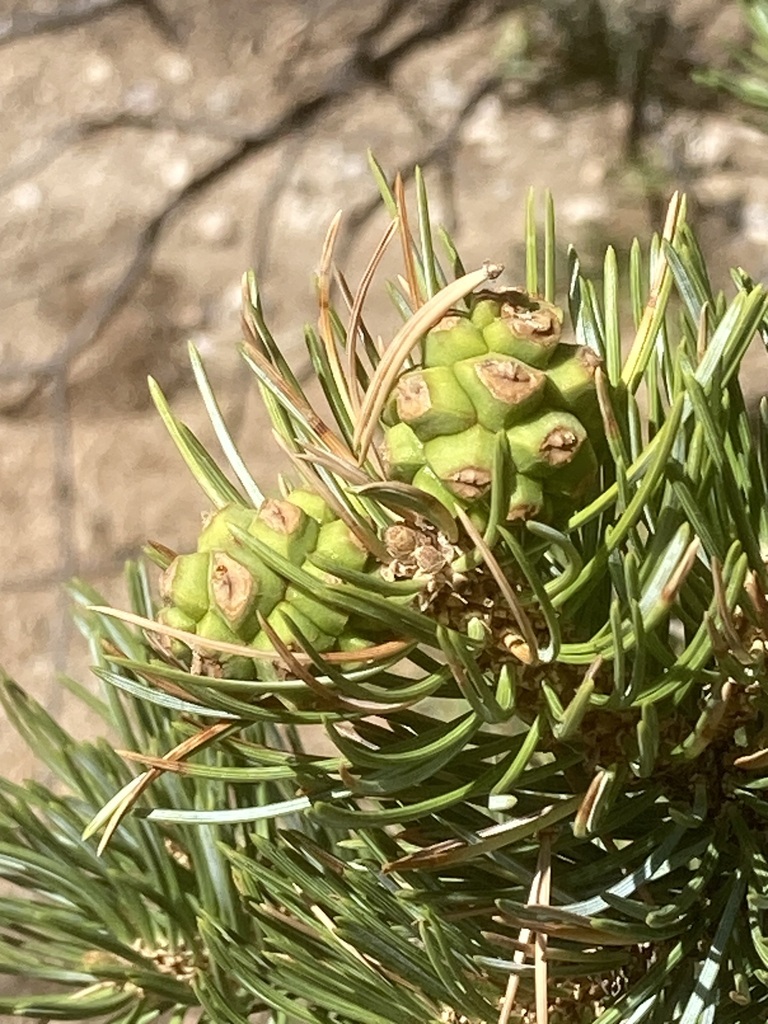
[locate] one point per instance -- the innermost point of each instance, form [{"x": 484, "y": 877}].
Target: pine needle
[
  {"x": 325, "y": 324},
  {"x": 407, "y": 245},
  {"x": 357, "y": 312}
]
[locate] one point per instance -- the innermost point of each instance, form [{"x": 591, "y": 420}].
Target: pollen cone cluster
[{"x": 500, "y": 368}]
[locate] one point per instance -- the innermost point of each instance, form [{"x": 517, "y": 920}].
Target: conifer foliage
[{"x": 462, "y": 719}]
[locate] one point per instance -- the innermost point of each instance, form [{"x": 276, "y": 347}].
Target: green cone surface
[
  {"x": 499, "y": 368},
  {"x": 221, "y": 591}
]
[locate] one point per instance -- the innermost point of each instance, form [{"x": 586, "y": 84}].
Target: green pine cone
[
  {"x": 403, "y": 452},
  {"x": 499, "y": 368},
  {"x": 502, "y": 390},
  {"x": 223, "y": 590},
  {"x": 571, "y": 377},
  {"x": 524, "y": 326},
  {"x": 527, "y": 499},
  {"x": 547, "y": 444},
  {"x": 432, "y": 402},
  {"x": 454, "y": 338},
  {"x": 464, "y": 462},
  {"x": 281, "y": 621}
]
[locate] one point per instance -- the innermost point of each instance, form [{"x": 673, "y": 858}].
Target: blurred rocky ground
[{"x": 152, "y": 150}]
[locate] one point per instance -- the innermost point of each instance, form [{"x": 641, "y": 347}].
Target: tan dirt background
[{"x": 152, "y": 151}]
